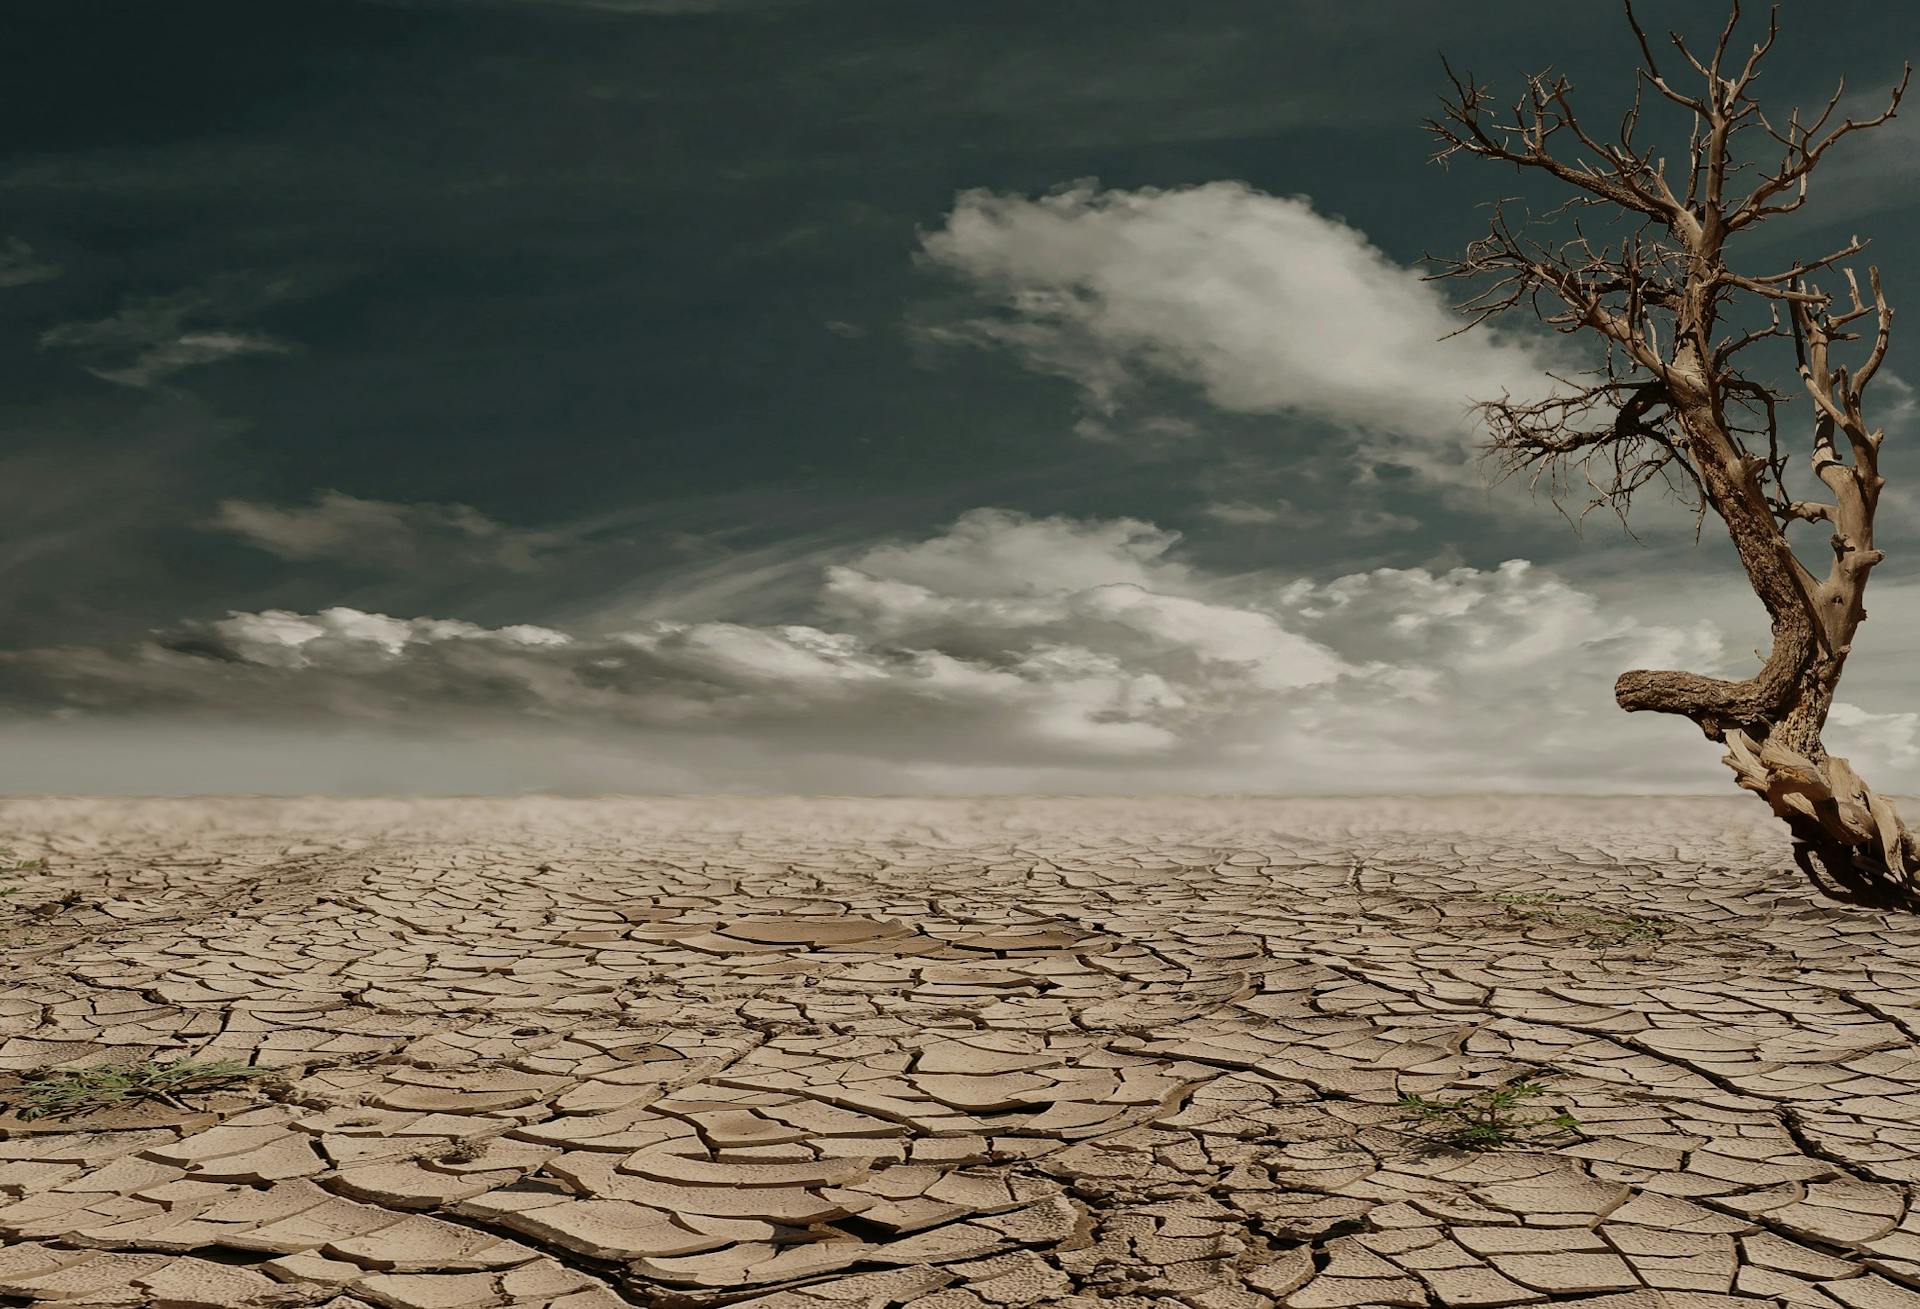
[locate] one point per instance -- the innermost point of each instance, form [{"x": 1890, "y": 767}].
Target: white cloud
[
  {"x": 1078, "y": 655},
  {"x": 1500, "y": 679},
  {"x": 277, "y": 638},
  {"x": 1265, "y": 304},
  {"x": 992, "y": 552},
  {"x": 1512, "y": 617},
  {"x": 1874, "y": 743},
  {"x": 382, "y": 534}
]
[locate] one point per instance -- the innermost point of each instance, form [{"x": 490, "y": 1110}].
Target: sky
[{"x": 838, "y": 396}]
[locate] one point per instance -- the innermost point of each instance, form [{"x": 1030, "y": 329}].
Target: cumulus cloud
[
  {"x": 1005, "y": 651},
  {"x": 1260, "y": 301},
  {"x": 383, "y": 534},
  {"x": 1503, "y": 676},
  {"x": 149, "y": 340},
  {"x": 1874, "y": 741}
]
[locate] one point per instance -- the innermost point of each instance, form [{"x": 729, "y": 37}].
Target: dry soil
[{"x": 818, "y": 1053}]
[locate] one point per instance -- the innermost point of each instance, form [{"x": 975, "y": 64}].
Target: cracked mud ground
[{"x": 953, "y": 1054}]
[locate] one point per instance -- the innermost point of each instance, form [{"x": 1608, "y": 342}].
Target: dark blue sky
[{"x": 644, "y": 285}]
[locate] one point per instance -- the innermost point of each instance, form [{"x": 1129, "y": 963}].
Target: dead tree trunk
[
  {"x": 1676, "y": 402},
  {"x": 1772, "y": 724}
]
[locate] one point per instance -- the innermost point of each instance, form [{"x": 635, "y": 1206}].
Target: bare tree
[{"x": 1635, "y": 262}]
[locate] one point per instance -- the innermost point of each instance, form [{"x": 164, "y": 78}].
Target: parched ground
[{"x": 954, "y": 1054}]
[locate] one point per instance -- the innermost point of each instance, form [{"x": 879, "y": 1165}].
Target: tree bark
[{"x": 1772, "y": 723}]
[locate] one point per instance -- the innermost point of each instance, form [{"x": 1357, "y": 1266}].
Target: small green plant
[
  {"x": 10, "y": 865},
  {"x": 1484, "y": 1120},
  {"x": 1600, "y": 929},
  {"x": 68, "y": 1092}
]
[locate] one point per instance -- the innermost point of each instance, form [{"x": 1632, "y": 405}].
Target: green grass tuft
[
  {"x": 69, "y": 1092},
  {"x": 9, "y": 865},
  {"x": 1485, "y": 1120}
]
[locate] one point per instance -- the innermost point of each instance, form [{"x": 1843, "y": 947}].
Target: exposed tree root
[{"x": 1846, "y": 833}]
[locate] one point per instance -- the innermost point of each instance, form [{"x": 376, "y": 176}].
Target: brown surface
[{"x": 812, "y": 1053}]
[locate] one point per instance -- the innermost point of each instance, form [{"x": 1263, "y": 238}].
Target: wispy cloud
[
  {"x": 1349, "y": 520},
  {"x": 1238, "y": 513},
  {"x": 20, "y": 265},
  {"x": 1872, "y": 171},
  {"x": 149, "y": 340},
  {"x": 385, "y": 535},
  {"x": 661, "y": 7}
]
